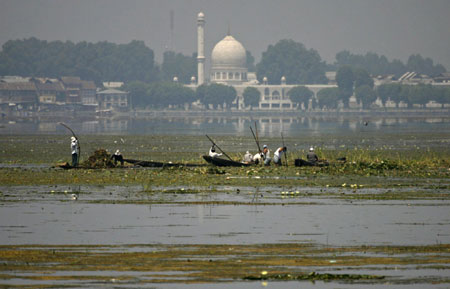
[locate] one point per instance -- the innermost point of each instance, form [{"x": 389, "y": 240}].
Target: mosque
[{"x": 228, "y": 66}]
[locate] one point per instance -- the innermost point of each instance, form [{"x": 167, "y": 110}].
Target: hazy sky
[{"x": 394, "y": 28}]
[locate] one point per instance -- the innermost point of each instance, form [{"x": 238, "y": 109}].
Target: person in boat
[
  {"x": 212, "y": 152},
  {"x": 278, "y": 154},
  {"x": 75, "y": 148},
  {"x": 248, "y": 158},
  {"x": 266, "y": 155},
  {"x": 117, "y": 157},
  {"x": 311, "y": 156}
]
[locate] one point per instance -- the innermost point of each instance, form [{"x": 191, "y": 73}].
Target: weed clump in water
[{"x": 99, "y": 160}]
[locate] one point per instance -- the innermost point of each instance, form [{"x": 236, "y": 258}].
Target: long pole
[
  {"x": 257, "y": 137},
  {"x": 75, "y": 136},
  {"x": 219, "y": 148},
  {"x": 257, "y": 143},
  {"x": 285, "y": 152}
]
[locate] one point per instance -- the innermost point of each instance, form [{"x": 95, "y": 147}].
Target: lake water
[
  {"x": 270, "y": 126},
  {"x": 34, "y": 215}
]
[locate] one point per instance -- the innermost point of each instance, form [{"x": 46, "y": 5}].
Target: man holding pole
[{"x": 74, "y": 146}]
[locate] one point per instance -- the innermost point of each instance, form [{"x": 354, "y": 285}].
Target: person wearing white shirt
[
  {"x": 212, "y": 152},
  {"x": 75, "y": 148},
  {"x": 278, "y": 154}
]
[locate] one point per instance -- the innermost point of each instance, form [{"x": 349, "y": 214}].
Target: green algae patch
[{"x": 211, "y": 263}]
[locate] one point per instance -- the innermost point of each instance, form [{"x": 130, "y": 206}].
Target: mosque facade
[{"x": 229, "y": 67}]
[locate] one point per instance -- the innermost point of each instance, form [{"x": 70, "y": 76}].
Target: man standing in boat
[{"x": 75, "y": 147}]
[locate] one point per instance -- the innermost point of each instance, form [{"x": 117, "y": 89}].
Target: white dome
[{"x": 228, "y": 53}]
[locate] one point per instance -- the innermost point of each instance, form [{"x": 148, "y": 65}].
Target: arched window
[
  {"x": 230, "y": 75},
  {"x": 224, "y": 75},
  {"x": 266, "y": 91},
  {"x": 236, "y": 75},
  {"x": 217, "y": 75},
  {"x": 275, "y": 95}
]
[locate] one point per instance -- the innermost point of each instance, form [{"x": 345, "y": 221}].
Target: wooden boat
[
  {"x": 304, "y": 163},
  {"x": 220, "y": 162},
  {"x": 152, "y": 164}
]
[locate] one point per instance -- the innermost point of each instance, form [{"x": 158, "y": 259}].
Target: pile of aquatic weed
[{"x": 101, "y": 159}]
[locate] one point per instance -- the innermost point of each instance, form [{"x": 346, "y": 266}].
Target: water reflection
[{"x": 269, "y": 126}]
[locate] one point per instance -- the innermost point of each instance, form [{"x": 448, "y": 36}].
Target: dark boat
[
  {"x": 303, "y": 163},
  {"x": 224, "y": 162},
  {"x": 152, "y": 164}
]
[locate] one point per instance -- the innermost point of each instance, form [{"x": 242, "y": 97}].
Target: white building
[{"x": 229, "y": 67}]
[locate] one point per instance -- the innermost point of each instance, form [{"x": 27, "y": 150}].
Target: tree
[
  {"x": 366, "y": 95},
  {"x": 345, "y": 80},
  {"x": 138, "y": 93},
  {"x": 251, "y": 96},
  {"x": 422, "y": 65},
  {"x": 179, "y": 65},
  {"x": 102, "y": 61},
  {"x": 299, "y": 95},
  {"x": 328, "y": 97},
  {"x": 216, "y": 94},
  {"x": 250, "y": 64},
  {"x": 292, "y": 60},
  {"x": 362, "y": 77},
  {"x": 389, "y": 91}
]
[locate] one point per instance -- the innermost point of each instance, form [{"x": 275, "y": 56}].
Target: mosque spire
[{"x": 228, "y": 32}]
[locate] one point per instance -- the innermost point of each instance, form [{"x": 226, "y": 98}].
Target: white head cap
[
  {"x": 311, "y": 149},
  {"x": 117, "y": 152},
  {"x": 73, "y": 138}
]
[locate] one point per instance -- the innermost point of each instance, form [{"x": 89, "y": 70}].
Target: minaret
[{"x": 201, "y": 48}]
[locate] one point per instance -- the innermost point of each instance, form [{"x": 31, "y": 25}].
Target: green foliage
[
  {"x": 179, "y": 65},
  {"x": 159, "y": 94},
  {"x": 328, "y": 98},
  {"x": 366, "y": 95},
  {"x": 250, "y": 64},
  {"x": 413, "y": 94},
  {"x": 389, "y": 91},
  {"x": 138, "y": 93},
  {"x": 362, "y": 77},
  {"x": 163, "y": 94},
  {"x": 422, "y": 65},
  {"x": 300, "y": 94},
  {"x": 102, "y": 61},
  {"x": 379, "y": 65},
  {"x": 251, "y": 96},
  {"x": 216, "y": 94},
  {"x": 292, "y": 60},
  {"x": 345, "y": 80}
]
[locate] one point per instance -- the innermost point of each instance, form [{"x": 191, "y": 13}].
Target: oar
[
  {"x": 75, "y": 136},
  {"x": 285, "y": 152},
  {"x": 219, "y": 148}
]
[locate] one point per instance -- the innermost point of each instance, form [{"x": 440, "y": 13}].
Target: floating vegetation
[
  {"x": 100, "y": 159},
  {"x": 313, "y": 276}
]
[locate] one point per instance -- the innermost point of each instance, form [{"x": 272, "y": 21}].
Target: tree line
[{"x": 105, "y": 61}]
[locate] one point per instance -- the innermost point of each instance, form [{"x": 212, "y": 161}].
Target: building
[
  {"x": 113, "y": 99},
  {"x": 229, "y": 67},
  {"x": 18, "y": 96}
]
